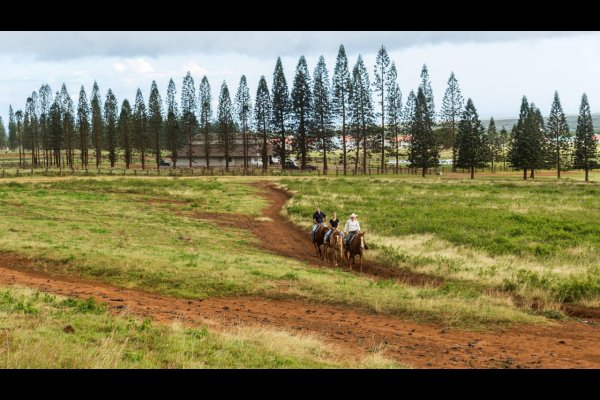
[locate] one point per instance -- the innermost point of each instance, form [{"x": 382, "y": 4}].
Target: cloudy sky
[{"x": 495, "y": 69}]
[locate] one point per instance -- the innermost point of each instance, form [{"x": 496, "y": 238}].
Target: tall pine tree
[
  {"x": 428, "y": 92},
  {"x": 97, "y": 124},
  {"x": 382, "y": 84},
  {"x": 110, "y": 121},
  {"x": 424, "y": 150},
  {"x": 125, "y": 132},
  {"x": 140, "y": 126},
  {"x": 83, "y": 126},
  {"x": 68, "y": 116},
  {"x": 12, "y": 129},
  {"x": 362, "y": 110},
  {"x": 342, "y": 83},
  {"x": 45, "y": 102},
  {"x": 559, "y": 135},
  {"x": 494, "y": 142},
  {"x": 322, "y": 110},
  {"x": 407, "y": 119},
  {"x": 172, "y": 128},
  {"x": 280, "y": 107},
  {"x": 520, "y": 143},
  {"x": 452, "y": 106},
  {"x": 394, "y": 113},
  {"x": 3, "y": 138},
  {"x": 225, "y": 134},
  {"x": 585, "y": 142},
  {"x": 302, "y": 104},
  {"x": 56, "y": 130},
  {"x": 155, "y": 121},
  {"x": 262, "y": 117},
  {"x": 473, "y": 150},
  {"x": 243, "y": 111},
  {"x": 205, "y": 103},
  {"x": 188, "y": 113}
]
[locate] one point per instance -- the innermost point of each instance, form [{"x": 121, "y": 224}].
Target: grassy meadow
[
  {"x": 39, "y": 330},
  {"x": 538, "y": 239},
  {"x": 142, "y": 233}
]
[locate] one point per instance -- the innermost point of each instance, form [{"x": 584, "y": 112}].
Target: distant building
[{"x": 217, "y": 155}]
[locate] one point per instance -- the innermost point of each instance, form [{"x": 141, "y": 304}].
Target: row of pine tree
[{"x": 370, "y": 118}]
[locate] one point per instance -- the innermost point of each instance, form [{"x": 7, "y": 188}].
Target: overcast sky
[{"x": 495, "y": 69}]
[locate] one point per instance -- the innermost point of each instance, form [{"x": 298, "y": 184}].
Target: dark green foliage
[
  {"x": 262, "y": 117},
  {"x": 83, "y": 126},
  {"x": 110, "y": 121},
  {"x": 243, "y": 111},
  {"x": 12, "y": 129},
  {"x": 280, "y": 108},
  {"x": 452, "y": 106},
  {"x": 125, "y": 132},
  {"x": 394, "y": 113},
  {"x": 225, "y": 123},
  {"x": 559, "y": 136},
  {"x": 424, "y": 150},
  {"x": 68, "y": 116},
  {"x": 585, "y": 141},
  {"x": 188, "y": 113},
  {"x": 97, "y": 124},
  {"x": 428, "y": 92},
  {"x": 341, "y": 87},
  {"x": 56, "y": 131},
  {"x": 382, "y": 85},
  {"x": 155, "y": 121},
  {"x": 205, "y": 104},
  {"x": 322, "y": 111},
  {"x": 302, "y": 104},
  {"x": 472, "y": 143},
  {"x": 140, "y": 127},
  {"x": 3, "y": 137},
  {"x": 407, "y": 118},
  {"x": 173, "y": 132},
  {"x": 361, "y": 111}
]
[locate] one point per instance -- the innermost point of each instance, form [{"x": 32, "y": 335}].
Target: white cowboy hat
[{"x": 353, "y": 215}]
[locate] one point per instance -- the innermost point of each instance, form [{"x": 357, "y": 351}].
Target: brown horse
[
  {"x": 334, "y": 250},
  {"x": 356, "y": 247},
  {"x": 318, "y": 240}
]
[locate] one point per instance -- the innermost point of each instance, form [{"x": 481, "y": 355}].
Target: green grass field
[
  {"x": 540, "y": 239},
  {"x": 38, "y": 330},
  {"x": 535, "y": 239}
]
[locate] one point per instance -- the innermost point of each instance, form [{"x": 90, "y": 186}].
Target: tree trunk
[
  {"x": 423, "y": 171},
  {"x": 558, "y": 163},
  {"x": 532, "y": 173},
  {"x": 264, "y": 150},
  {"x": 364, "y": 149},
  {"x": 524, "y": 173},
  {"x": 325, "y": 168},
  {"x": 472, "y": 172},
  {"x": 453, "y": 146},
  {"x": 282, "y": 148},
  {"x": 586, "y": 173},
  {"x": 344, "y": 138}
]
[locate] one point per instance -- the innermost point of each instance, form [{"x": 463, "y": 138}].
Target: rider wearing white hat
[{"x": 352, "y": 226}]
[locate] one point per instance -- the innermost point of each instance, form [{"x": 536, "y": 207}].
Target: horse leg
[{"x": 360, "y": 257}]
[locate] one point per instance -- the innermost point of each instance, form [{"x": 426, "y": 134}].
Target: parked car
[
  {"x": 164, "y": 163},
  {"x": 310, "y": 168},
  {"x": 291, "y": 165}
]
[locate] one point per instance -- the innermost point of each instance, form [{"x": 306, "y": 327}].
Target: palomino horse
[
  {"x": 318, "y": 240},
  {"x": 334, "y": 250},
  {"x": 356, "y": 247}
]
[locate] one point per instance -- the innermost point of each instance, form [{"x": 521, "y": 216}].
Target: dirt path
[
  {"x": 568, "y": 345},
  {"x": 284, "y": 238},
  {"x": 565, "y": 345}
]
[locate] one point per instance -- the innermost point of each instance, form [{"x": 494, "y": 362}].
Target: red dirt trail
[{"x": 563, "y": 345}]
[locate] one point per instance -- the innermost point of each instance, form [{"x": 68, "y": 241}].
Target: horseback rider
[
  {"x": 352, "y": 227},
  {"x": 318, "y": 218},
  {"x": 333, "y": 225}
]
